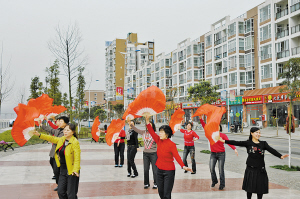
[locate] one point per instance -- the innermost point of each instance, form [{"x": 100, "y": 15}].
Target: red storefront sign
[
  {"x": 219, "y": 103},
  {"x": 258, "y": 99},
  {"x": 273, "y": 98}
]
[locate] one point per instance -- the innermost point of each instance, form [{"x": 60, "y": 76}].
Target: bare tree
[
  {"x": 6, "y": 82},
  {"x": 20, "y": 96},
  {"x": 66, "y": 49}
]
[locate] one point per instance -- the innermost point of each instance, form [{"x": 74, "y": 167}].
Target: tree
[
  {"x": 5, "y": 81},
  {"x": 101, "y": 113},
  {"x": 80, "y": 93},
  {"x": 65, "y": 100},
  {"x": 204, "y": 92},
  {"x": 66, "y": 49},
  {"x": 291, "y": 73},
  {"x": 171, "y": 93},
  {"x": 119, "y": 108},
  {"x": 36, "y": 88},
  {"x": 54, "y": 83},
  {"x": 20, "y": 95}
]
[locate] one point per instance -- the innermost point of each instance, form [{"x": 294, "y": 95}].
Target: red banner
[
  {"x": 258, "y": 99},
  {"x": 119, "y": 93}
]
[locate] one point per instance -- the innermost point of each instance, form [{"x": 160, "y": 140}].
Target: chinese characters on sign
[
  {"x": 119, "y": 93},
  {"x": 253, "y": 100}
]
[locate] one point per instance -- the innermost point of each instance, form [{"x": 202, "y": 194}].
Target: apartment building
[
  {"x": 123, "y": 58},
  {"x": 94, "y": 97}
]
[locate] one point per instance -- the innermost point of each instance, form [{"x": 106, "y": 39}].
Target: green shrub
[
  {"x": 205, "y": 151},
  {"x": 286, "y": 167}
]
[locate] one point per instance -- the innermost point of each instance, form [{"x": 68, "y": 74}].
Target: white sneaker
[{"x": 154, "y": 186}]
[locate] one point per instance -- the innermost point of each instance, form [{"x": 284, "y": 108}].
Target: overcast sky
[{"x": 27, "y": 25}]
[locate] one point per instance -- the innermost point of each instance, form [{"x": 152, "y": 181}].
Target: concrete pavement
[{"x": 26, "y": 173}]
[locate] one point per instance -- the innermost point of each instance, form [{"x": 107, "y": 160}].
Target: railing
[
  {"x": 282, "y": 13},
  {"x": 225, "y": 70},
  {"x": 283, "y": 54},
  {"x": 295, "y": 7},
  {"x": 217, "y": 42},
  {"x": 296, "y": 50},
  {"x": 295, "y": 29},
  {"x": 181, "y": 81},
  {"x": 182, "y": 69},
  {"x": 218, "y": 72},
  {"x": 219, "y": 56},
  {"x": 282, "y": 33}
]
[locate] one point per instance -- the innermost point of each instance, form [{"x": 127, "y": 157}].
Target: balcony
[
  {"x": 282, "y": 34},
  {"x": 295, "y": 29},
  {"x": 283, "y": 54},
  {"x": 295, "y": 7},
  {"x": 182, "y": 69},
  {"x": 282, "y": 13},
  {"x": 182, "y": 81},
  {"x": 217, "y": 42},
  {"x": 220, "y": 86},
  {"x": 296, "y": 50},
  {"x": 225, "y": 70},
  {"x": 224, "y": 85}
]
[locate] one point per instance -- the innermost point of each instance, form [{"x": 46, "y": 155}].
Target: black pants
[
  {"x": 189, "y": 150},
  {"x": 149, "y": 158},
  {"x": 119, "y": 151},
  {"x": 55, "y": 169},
  {"x": 131, "y": 152},
  {"x": 67, "y": 185},
  {"x": 165, "y": 182}
]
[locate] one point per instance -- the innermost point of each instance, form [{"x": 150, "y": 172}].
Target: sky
[{"x": 26, "y": 27}]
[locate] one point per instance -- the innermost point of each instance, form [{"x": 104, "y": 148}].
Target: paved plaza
[{"x": 26, "y": 173}]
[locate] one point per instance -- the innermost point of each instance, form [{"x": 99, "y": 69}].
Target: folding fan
[
  {"x": 113, "y": 131},
  {"x": 55, "y": 110},
  {"x": 43, "y": 104},
  {"x": 23, "y": 127},
  {"x": 214, "y": 115},
  {"x": 95, "y": 129},
  {"x": 128, "y": 114},
  {"x": 149, "y": 102},
  {"x": 176, "y": 120}
]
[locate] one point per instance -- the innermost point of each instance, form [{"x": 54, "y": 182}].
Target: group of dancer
[{"x": 159, "y": 151}]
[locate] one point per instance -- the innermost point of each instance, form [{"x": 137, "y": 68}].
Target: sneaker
[
  {"x": 55, "y": 189},
  {"x": 213, "y": 184},
  {"x": 128, "y": 175},
  {"x": 193, "y": 173},
  {"x": 116, "y": 165},
  {"x": 221, "y": 187},
  {"x": 146, "y": 186},
  {"x": 53, "y": 178},
  {"x": 120, "y": 165},
  {"x": 133, "y": 176},
  {"x": 185, "y": 171},
  {"x": 154, "y": 186}
]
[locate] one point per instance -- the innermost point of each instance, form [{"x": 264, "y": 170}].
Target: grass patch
[
  {"x": 179, "y": 150},
  {"x": 286, "y": 167},
  {"x": 205, "y": 151}
]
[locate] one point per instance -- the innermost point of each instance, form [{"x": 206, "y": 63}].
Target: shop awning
[{"x": 263, "y": 91}]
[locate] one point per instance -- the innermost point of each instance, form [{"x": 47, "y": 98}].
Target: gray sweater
[
  {"x": 149, "y": 143},
  {"x": 55, "y": 132}
]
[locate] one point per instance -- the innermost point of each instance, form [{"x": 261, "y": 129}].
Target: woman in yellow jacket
[{"x": 67, "y": 157}]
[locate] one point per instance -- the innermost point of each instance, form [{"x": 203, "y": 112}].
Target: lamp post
[{"x": 90, "y": 101}]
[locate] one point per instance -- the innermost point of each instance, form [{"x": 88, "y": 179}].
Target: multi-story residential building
[
  {"x": 94, "y": 97},
  {"x": 123, "y": 58}
]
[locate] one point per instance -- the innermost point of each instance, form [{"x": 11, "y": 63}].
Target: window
[
  {"x": 231, "y": 46},
  {"x": 174, "y": 57},
  {"x": 232, "y": 62},
  {"x": 242, "y": 78},
  {"x": 162, "y": 83},
  {"x": 208, "y": 69},
  {"x": 250, "y": 77},
  {"x": 189, "y": 75},
  {"x": 241, "y": 44},
  {"x": 95, "y": 94},
  {"x": 167, "y": 62},
  {"x": 162, "y": 63},
  {"x": 189, "y": 50},
  {"x": 282, "y": 49},
  {"x": 150, "y": 51},
  {"x": 218, "y": 52},
  {"x": 162, "y": 73},
  {"x": 279, "y": 70},
  {"x": 208, "y": 41},
  {"x": 218, "y": 69},
  {"x": 231, "y": 29},
  {"x": 241, "y": 27},
  {"x": 218, "y": 81},
  {"x": 148, "y": 71},
  {"x": 167, "y": 72},
  {"x": 201, "y": 48},
  {"x": 225, "y": 50},
  {"x": 218, "y": 38},
  {"x": 265, "y": 13},
  {"x": 151, "y": 57},
  {"x": 249, "y": 60},
  {"x": 266, "y": 85},
  {"x": 266, "y": 52},
  {"x": 242, "y": 61},
  {"x": 266, "y": 71},
  {"x": 174, "y": 68},
  {"x": 196, "y": 61},
  {"x": 249, "y": 43},
  {"x": 232, "y": 78},
  {"x": 95, "y": 98},
  {"x": 201, "y": 61},
  {"x": 208, "y": 55},
  {"x": 150, "y": 45},
  {"x": 157, "y": 76},
  {"x": 265, "y": 32},
  {"x": 196, "y": 74},
  {"x": 189, "y": 62},
  {"x": 249, "y": 26}
]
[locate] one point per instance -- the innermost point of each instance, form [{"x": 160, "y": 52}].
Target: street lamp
[{"x": 90, "y": 101}]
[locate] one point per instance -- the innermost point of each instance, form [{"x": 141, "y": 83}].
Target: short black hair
[
  {"x": 167, "y": 129},
  {"x": 190, "y": 124},
  {"x": 64, "y": 118},
  {"x": 220, "y": 127}
]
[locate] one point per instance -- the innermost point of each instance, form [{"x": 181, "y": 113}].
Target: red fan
[
  {"x": 55, "y": 110},
  {"x": 23, "y": 127},
  {"x": 113, "y": 131},
  {"x": 214, "y": 115},
  {"x": 149, "y": 102},
  {"x": 128, "y": 114},
  {"x": 176, "y": 119},
  {"x": 43, "y": 104},
  {"x": 95, "y": 129}
]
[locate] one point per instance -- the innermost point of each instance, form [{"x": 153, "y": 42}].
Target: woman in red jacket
[
  {"x": 166, "y": 152},
  {"x": 189, "y": 148}
]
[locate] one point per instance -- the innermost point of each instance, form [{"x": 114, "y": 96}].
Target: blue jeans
[
  {"x": 191, "y": 150},
  {"x": 220, "y": 157}
]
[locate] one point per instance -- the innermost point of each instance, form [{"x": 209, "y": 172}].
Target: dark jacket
[{"x": 55, "y": 132}]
